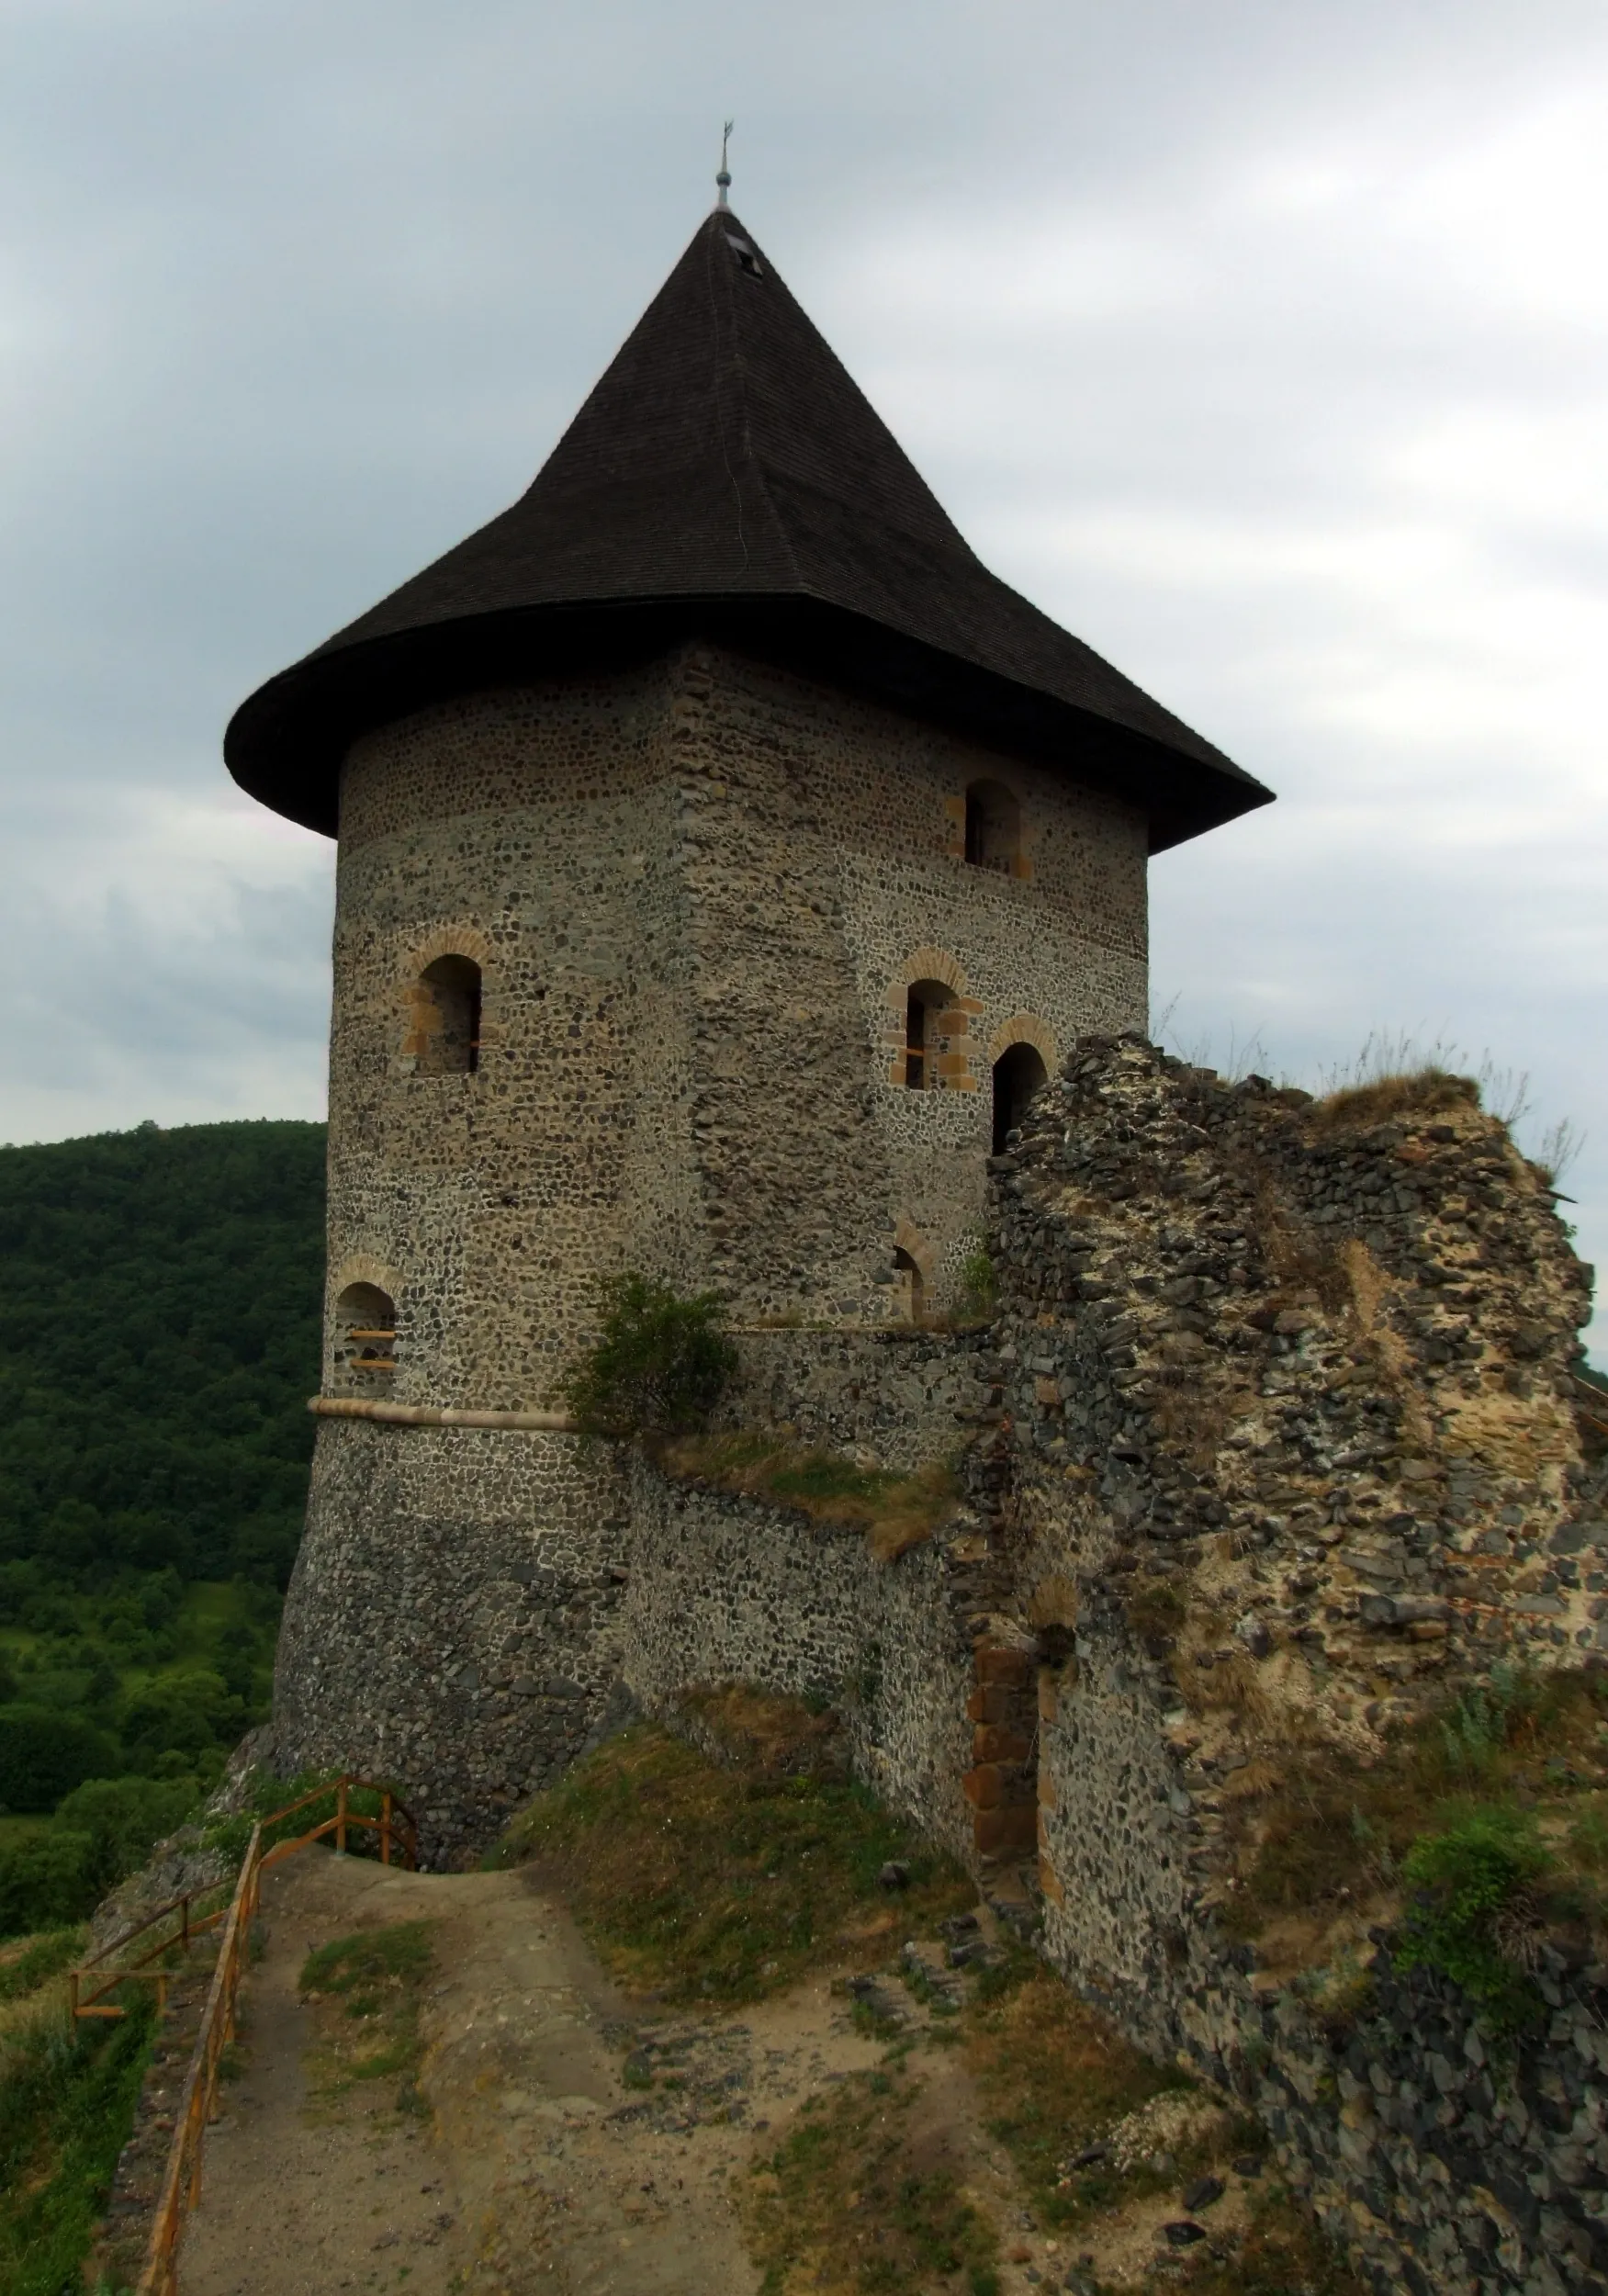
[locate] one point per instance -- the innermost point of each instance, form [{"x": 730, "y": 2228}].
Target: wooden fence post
[
  {"x": 384, "y": 1829},
  {"x": 341, "y": 1819}
]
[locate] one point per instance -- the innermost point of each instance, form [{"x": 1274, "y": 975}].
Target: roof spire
[{"x": 723, "y": 179}]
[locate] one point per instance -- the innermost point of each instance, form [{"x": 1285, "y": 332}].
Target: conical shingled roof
[{"x": 727, "y": 477}]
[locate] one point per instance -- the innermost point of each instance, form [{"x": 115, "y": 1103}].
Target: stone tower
[{"x": 725, "y": 855}]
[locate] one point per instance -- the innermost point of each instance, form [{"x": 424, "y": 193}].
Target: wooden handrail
[
  {"x": 403, "y": 1835},
  {"x": 174, "y": 1905},
  {"x": 181, "y": 2183}
]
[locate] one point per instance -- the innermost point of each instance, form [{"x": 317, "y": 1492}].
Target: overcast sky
[{"x": 1263, "y": 345}]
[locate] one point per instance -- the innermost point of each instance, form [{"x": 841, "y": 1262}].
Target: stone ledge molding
[{"x": 439, "y": 1415}]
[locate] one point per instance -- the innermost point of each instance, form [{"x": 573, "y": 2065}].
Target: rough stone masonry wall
[
  {"x": 697, "y": 891},
  {"x": 1310, "y": 1371},
  {"x": 899, "y": 1397},
  {"x": 826, "y": 873},
  {"x": 726, "y": 1589},
  {"x": 453, "y": 1622}
]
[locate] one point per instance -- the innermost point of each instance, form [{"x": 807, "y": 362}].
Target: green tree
[{"x": 44, "y": 1754}]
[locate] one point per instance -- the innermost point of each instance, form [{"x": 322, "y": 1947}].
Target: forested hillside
[{"x": 159, "y": 1338}]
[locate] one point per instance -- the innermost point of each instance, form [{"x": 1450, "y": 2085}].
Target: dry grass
[
  {"x": 1229, "y": 1685},
  {"x": 1420, "y": 1092},
  {"x": 755, "y": 1730},
  {"x": 1057, "y": 2081},
  {"x": 67, "y": 2100},
  {"x": 1157, "y": 1611},
  {"x": 861, "y": 2198},
  {"x": 1192, "y": 1416},
  {"x": 1054, "y": 2076},
  {"x": 369, "y": 1987},
  {"x": 1321, "y": 1838},
  {"x": 1280, "y": 2253},
  {"x": 897, "y": 1511},
  {"x": 698, "y": 1881}
]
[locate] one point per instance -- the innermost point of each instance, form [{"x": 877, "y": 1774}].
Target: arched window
[
  {"x": 925, "y": 1002},
  {"x": 993, "y": 828},
  {"x": 1018, "y": 1075},
  {"x": 908, "y": 1289},
  {"x": 446, "y": 1040},
  {"x": 365, "y": 1339}
]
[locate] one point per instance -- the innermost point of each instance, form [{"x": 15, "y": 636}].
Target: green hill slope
[
  {"x": 159, "y": 1305},
  {"x": 159, "y": 1338}
]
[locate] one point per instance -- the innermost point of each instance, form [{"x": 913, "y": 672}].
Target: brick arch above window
[
  {"x": 448, "y": 940},
  {"x": 928, "y": 963},
  {"x": 362, "y": 1268},
  {"x": 443, "y": 1002},
  {"x": 1025, "y": 1027}
]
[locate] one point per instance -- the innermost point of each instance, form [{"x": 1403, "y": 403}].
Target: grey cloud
[{"x": 1167, "y": 300}]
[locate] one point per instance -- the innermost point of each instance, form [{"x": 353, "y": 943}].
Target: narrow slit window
[
  {"x": 926, "y": 1038},
  {"x": 445, "y": 1039},
  {"x": 993, "y": 828},
  {"x": 914, "y": 1043}
]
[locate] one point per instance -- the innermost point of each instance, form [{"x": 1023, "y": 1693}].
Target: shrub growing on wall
[
  {"x": 1472, "y": 1880},
  {"x": 658, "y": 1367}
]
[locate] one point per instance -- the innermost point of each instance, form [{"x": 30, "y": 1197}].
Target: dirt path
[
  {"x": 302, "y": 2199},
  {"x": 574, "y": 2144},
  {"x": 539, "y": 2167}
]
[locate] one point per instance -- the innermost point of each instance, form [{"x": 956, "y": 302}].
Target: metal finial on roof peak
[{"x": 723, "y": 180}]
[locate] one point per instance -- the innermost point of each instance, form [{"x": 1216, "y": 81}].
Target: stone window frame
[
  {"x": 447, "y": 941},
  {"x": 951, "y": 1063},
  {"x": 1024, "y": 1028},
  {"x": 955, "y": 805},
  {"x": 909, "y": 1240},
  {"x": 360, "y": 1269}
]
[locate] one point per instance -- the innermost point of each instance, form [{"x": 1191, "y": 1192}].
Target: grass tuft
[
  {"x": 1511, "y": 1775},
  {"x": 67, "y": 2101},
  {"x": 897, "y": 1511},
  {"x": 1055, "y": 2074},
  {"x": 1282, "y": 2252},
  {"x": 377, "y": 1977},
  {"x": 700, "y": 1882},
  {"x": 857, "y": 2202},
  {"x": 1427, "y": 1091}
]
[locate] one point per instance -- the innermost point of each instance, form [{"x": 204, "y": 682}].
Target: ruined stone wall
[
  {"x": 1285, "y": 1450},
  {"x": 899, "y": 1397},
  {"x": 726, "y": 1589}
]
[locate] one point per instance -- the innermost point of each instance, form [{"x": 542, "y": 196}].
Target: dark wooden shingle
[{"x": 727, "y": 477}]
